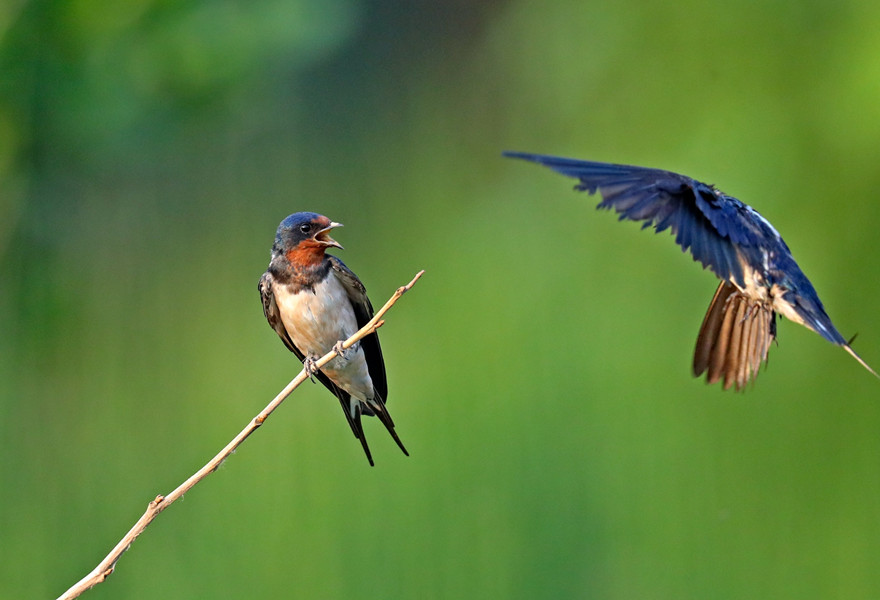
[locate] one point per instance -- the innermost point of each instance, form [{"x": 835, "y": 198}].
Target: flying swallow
[
  {"x": 759, "y": 277},
  {"x": 313, "y": 302}
]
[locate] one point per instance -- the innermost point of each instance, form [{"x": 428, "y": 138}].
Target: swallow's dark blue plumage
[
  {"x": 759, "y": 277},
  {"x": 312, "y": 301}
]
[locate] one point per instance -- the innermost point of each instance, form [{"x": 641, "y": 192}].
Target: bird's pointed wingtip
[
  {"x": 560, "y": 164},
  {"x": 570, "y": 167},
  {"x": 548, "y": 160},
  {"x": 517, "y": 154},
  {"x": 855, "y": 355}
]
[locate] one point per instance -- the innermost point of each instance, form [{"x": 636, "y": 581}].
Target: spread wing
[
  {"x": 363, "y": 312},
  {"x": 720, "y": 231}
]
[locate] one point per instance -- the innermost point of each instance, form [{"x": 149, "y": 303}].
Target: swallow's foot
[
  {"x": 339, "y": 350},
  {"x": 309, "y": 366}
]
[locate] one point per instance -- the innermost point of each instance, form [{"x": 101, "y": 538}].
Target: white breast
[{"x": 317, "y": 320}]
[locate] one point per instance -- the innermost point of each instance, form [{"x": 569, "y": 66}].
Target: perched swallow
[
  {"x": 313, "y": 301},
  {"x": 759, "y": 277}
]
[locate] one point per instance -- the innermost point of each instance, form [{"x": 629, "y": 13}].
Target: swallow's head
[{"x": 303, "y": 237}]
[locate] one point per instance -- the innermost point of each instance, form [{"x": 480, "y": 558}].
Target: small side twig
[{"x": 160, "y": 502}]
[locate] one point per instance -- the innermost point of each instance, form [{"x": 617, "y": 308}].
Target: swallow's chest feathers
[{"x": 318, "y": 317}]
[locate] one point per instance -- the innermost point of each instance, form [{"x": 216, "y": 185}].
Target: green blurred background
[{"x": 539, "y": 372}]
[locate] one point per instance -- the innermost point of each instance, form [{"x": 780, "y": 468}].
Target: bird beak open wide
[{"x": 324, "y": 238}]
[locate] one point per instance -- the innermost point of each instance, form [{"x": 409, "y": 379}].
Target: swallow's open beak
[{"x": 324, "y": 237}]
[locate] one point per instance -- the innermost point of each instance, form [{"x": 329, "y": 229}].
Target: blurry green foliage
[{"x": 539, "y": 373}]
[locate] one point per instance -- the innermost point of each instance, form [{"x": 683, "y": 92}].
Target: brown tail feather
[
  {"x": 739, "y": 342},
  {"x": 752, "y": 353},
  {"x": 734, "y": 338},
  {"x": 718, "y": 363},
  {"x": 711, "y": 322}
]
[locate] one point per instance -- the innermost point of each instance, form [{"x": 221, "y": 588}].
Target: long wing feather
[
  {"x": 363, "y": 312},
  {"x": 712, "y": 226}
]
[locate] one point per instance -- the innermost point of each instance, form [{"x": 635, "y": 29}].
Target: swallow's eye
[{"x": 307, "y": 227}]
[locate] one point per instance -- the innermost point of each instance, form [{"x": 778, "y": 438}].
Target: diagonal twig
[{"x": 160, "y": 503}]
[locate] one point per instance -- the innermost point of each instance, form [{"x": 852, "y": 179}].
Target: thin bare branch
[{"x": 160, "y": 503}]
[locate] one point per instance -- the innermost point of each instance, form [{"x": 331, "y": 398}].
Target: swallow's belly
[{"x": 316, "y": 321}]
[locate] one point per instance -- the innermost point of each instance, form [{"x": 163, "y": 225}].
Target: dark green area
[{"x": 539, "y": 372}]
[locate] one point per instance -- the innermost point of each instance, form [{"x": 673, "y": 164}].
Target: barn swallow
[
  {"x": 759, "y": 277},
  {"x": 313, "y": 302}
]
